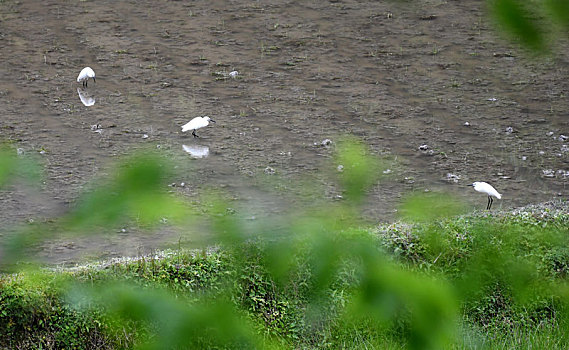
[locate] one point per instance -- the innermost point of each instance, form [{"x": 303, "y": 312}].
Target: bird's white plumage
[
  {"x": 485, "y": 187},
  {"x": 196, "y": 123},
  {"x": 85, "y": 74}
]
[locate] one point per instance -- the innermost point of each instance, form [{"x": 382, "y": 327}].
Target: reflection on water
[
  {"x": 85, "y": 97},
  {"x": 196, "y": 151}
]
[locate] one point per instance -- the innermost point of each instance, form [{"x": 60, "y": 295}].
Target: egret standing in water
[
  {"x": 84, "y": 76},
  {"x": 488, "y": 189},
  {"x": 197, "y": 123}
]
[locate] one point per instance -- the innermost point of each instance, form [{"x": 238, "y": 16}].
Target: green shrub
[{"x": 33, "y": 315}]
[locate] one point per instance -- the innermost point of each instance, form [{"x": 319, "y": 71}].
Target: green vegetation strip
[{"x": 507, "y": 272}]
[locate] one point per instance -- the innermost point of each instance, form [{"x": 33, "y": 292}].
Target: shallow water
[{"x": 308, "y": 71}]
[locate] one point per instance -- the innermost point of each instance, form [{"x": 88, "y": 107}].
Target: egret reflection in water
[
  {"x": 196, "y": 151},
  {"x": 85, "y": 97}
]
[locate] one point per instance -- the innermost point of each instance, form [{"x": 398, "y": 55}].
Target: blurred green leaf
[
  {"x": 15, "y": 167},
  {"x": 430, "y": 206},
  {"x": 559, "y": 11},
  {"x": 7, "y": 164},
  {"x": 175, "y": 323},
  {"x": 135, "y": 193},
  {"x": 228, "y": 227},
  {"x": 388, "y": 293},
  {"x": 360, "y": 169},
  {"x": 516, "y": 20}
]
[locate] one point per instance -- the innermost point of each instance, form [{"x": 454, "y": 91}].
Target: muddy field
[{"x": 427, "y": 84}]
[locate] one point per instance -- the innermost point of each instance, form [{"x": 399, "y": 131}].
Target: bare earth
[{"x": 427, "y": 84}]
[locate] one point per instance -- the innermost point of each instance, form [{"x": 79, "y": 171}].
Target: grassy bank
[{"x": 496, "y": 280}]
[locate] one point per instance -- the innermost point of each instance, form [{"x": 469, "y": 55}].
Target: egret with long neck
[
  {"x": 485, "y": 187},
  {"x": 197, "y": 123},
  {"x": 84, "y": 76}
]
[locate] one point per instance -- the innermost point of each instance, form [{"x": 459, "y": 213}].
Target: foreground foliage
[
  {"x": 322, "y": 279},
  {"x": 505, "y": 274}
]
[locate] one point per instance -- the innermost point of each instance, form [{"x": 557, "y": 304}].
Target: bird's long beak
[
  {"x": 470, "y": 185},
  {"x": 211, "y": 120}
]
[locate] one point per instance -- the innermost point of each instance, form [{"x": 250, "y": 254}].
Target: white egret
[
  {"x": 484, "y": 187},
  {"x": 197, "y": 123},
  {"x": 84, "y": 76}
]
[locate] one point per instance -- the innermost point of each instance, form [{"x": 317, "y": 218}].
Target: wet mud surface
[{"x": 427, "y": 84}]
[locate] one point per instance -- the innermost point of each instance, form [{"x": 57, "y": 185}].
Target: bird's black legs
[
  {"x": 194, "y": 133},
  {"x": 84, "y": 83},
  {"x": 490, "y": 201}
]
